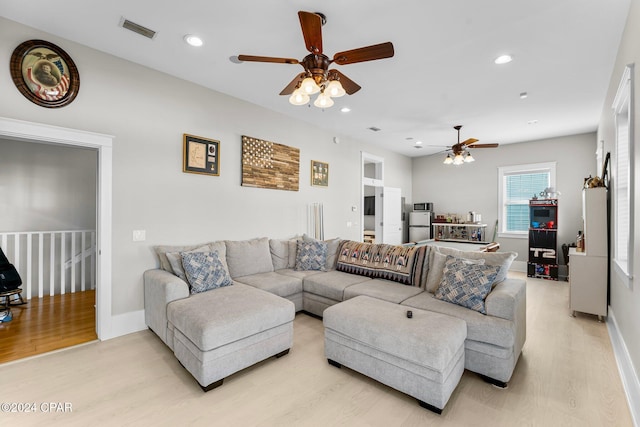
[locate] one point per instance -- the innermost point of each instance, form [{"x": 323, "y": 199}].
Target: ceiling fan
[
  {"x": 461, "y": 148},
  {"x": 317, "y": 77}
]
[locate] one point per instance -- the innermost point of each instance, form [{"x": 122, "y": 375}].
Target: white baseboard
[
  {"x": 126, "y": 323},
  {"x": 630, "y": 380}
]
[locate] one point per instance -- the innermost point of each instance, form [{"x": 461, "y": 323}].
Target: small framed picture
[
  {"x": 319, "y": 174},
  {"x": 200, "y": 155},
  {"x": 44, "y": 74}
]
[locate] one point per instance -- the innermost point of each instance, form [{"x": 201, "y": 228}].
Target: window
[
  {"x": 517, "y": 185},
  {"x": 623, "y": 178}
]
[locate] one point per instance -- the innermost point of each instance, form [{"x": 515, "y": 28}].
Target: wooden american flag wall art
[{"x": 268, "y": 164}]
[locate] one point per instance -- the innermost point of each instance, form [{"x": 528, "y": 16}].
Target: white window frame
[
  {"x": 623, "y": 112},
  {"x": 503, "y": 172}
]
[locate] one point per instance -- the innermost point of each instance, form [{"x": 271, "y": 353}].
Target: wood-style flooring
[
  {"x": 49, "y": 323},
  {"x": 566, "y": 376}
]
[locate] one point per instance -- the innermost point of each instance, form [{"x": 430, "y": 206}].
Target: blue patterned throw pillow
[
  {"x": 204, "y": 271},
  {"x": 311, "y": 255},
  {"x": 466, "y": 284}
]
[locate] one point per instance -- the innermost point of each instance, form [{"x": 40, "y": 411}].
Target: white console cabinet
[{"x": 588, "y": 269}]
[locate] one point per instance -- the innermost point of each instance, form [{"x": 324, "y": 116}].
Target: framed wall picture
[
  {"x": 44, "y": 73},
  {"x": 319, "y": 174},
  {"x": 200, "y": 155}
]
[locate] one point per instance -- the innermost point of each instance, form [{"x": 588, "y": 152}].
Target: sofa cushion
[
  {"x": 273, "y": 282},
  {"x": 204, "y": 271},
  {"x": 279, "y": 253},
  {"x": 332, "y": 284},
  {"x": 466, "y": 284},
  {"x": 382, "y": 289},
  {"x": 500, "y": 259},
  {"x": 437, "y": 267},
  {"x": 311, "y": 255},
  {"x": 302, "y": 275},
  {"x": 162, "y": 250},
  {"x": 402, "y": 264},
  {"x": 213, "y": 319},
  {"x": 486, "y": 329},
  {"x": 175, "y": 260},
  {"x": 248, "y": 257}
]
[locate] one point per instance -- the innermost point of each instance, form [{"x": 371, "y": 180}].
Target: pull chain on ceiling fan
[
  {"x": 461, "y": 152},
  {"x": 317, "y": 77}
]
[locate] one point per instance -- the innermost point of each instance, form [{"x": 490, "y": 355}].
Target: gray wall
[
  {"x": 625, "y": 302},
  {"x": 148, "y": 112},
  {"x": 46, "y": 187},
  {"x": 474, "y": 186}
]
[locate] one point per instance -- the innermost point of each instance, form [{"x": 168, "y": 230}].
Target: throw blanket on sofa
[{"x": 398, "y": 263}]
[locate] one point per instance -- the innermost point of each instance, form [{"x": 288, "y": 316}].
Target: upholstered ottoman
[
  {"x": 422, "y": 356},
  {"x": 224, "y": 330}
]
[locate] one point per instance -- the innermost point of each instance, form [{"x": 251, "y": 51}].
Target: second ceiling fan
[
  {"x": 317, "y": 77},
  {"x": 461, "y": 148}
]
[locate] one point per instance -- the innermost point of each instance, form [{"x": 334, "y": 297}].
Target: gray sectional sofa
[{"x": 493, "y": 342}]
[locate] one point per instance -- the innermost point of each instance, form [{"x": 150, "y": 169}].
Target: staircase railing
[{"x": 52, "y": 262}]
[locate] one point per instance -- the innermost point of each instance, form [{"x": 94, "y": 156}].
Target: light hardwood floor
[
  {"x": 49, "y": 323},
  {"x": 566, "y": 376}
]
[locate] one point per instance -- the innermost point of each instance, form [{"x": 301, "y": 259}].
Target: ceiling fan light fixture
[
  {"x": 335, "y": 89},
  {"x": 298, "y": 97},
  {"x": 458, "y": 159},
  {"x": 469, "y": 158},
  {"x": 448, "y": 160},
  {"x": 323, "y": 101},
  {"x": 309, "y": 86}
]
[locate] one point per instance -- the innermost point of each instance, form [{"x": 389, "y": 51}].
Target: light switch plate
[{"x": 139, "y": 235}]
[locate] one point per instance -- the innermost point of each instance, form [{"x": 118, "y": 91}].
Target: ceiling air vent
[
  {"x": 137, "y": 28},
  {"x": 375, "y": 129}
]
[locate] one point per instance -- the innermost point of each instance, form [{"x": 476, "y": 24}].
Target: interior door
[{"x": 389, "y": 224}]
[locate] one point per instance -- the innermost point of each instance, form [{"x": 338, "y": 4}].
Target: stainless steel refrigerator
[{"x": 419, "y": 226}]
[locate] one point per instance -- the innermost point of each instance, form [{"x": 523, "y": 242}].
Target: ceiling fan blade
[
  {"x": 348, "y": 85},
  {"x": 484, "y": 146},
  {"x": 253, "y": 58},
  {"x": 469, "y": 141},
  {"x": 292, "y": 86},
  {"x": 368, "y": 53},
  {"x": 311, "y": 24}
]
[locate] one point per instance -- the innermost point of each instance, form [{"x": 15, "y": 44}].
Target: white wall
[
  {"x": 625, "y": 302},
  {"x": 148, "y": 112},
  {"x": 46, "y": 187},
  {"x": 474, "y": 186}
]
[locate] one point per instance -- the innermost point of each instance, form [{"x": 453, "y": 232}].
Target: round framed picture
[{"x": 44, "y": 73}]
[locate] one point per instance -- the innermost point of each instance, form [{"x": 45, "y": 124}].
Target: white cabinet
[
  {"x": 587, "y": 283},
  {"x": 588, "y": 269}
]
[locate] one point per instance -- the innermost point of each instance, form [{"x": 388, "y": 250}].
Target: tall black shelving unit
[{"x": 543, "y": 239}]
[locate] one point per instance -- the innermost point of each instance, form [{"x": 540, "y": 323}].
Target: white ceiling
[{"x": 442, "y": 73}]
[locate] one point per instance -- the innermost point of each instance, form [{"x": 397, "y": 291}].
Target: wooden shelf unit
[{"x": 449, "y": 232}]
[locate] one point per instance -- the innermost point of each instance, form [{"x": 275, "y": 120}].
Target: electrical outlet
[{"x": 139, "y": 235}]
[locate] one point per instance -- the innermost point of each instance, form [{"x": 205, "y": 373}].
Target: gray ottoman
[
  {"x": 224, "y": 330},
  {"x": 422, "y": 356}
]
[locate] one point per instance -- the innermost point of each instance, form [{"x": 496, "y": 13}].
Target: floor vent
[{"x": 137, "y": 28}]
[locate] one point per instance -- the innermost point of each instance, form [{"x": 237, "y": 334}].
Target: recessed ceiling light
[
  {"x": 193, "y": 40},
  {"x": 418, "y": 142},
  {"x": 503, "y": 59},
  {"x": 523, "y": 95},
  {"x": 345, "y": 109},
  {"x": 532, "y": 122}
]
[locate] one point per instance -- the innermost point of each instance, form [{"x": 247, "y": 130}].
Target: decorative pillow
[
  {"x": 279, "y": 253},
  {"x": 311, "y": 256},
  {"x": 466, "y": 284},
  {"x": 437, "y": 268},
  {"x": 402, "y": 264},
  {"x": 248, "y": 257},
  {"x": 175, "y": 260},
  {"x": 332, "y": 250},
  {"x": 205, "y": 271},
  {"x": 499, "y": 259},
  {"x": 162, "y": 251}
]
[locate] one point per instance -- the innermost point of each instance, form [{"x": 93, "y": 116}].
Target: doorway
[{"x": 40, "y": 133}]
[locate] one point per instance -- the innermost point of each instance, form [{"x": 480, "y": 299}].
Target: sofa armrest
[
  {"x": 506, "y": 299},
  {"x": 160, "y": 288}
]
